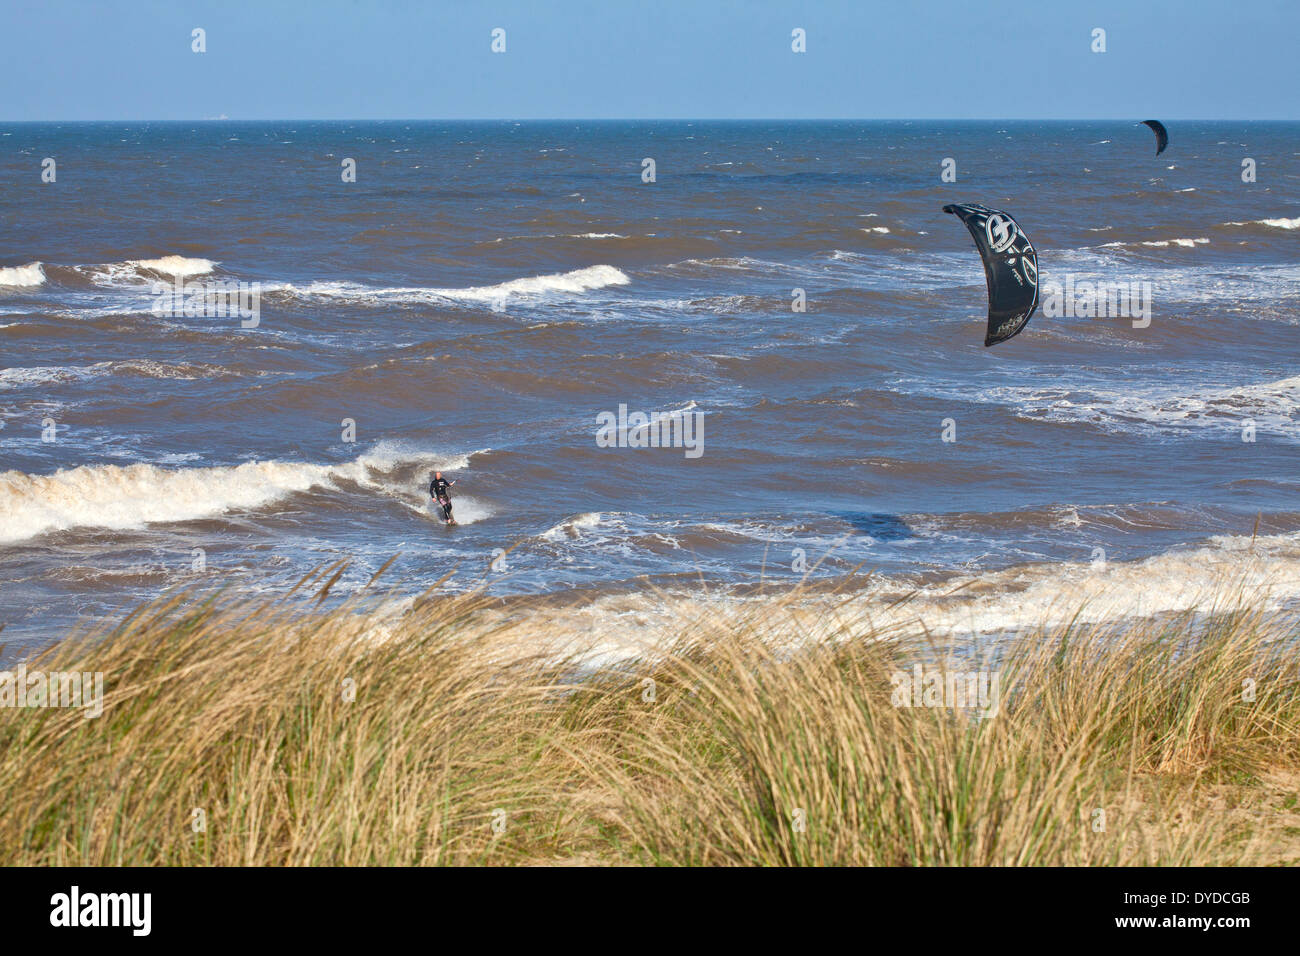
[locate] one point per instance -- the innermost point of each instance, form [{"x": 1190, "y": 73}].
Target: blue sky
[{"x": 394, "y": 59}]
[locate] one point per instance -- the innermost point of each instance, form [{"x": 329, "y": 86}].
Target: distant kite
[
  {"x": 1010, "y": 268},
  {"x": 1162, "y": 134}
]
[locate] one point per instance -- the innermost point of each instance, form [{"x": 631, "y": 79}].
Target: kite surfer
[{"x": 440, "y": 492}]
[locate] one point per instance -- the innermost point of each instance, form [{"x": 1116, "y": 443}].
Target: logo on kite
[
  {"x": 1000, "y": 231},
  {"x": 1010, "y": 268}
]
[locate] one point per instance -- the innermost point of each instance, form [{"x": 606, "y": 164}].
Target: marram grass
[{"x": 275, "y": 733}]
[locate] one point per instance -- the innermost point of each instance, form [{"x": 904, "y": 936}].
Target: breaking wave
[
  {"x": 23, "y": 276},
  {"x": 1274, "y": 406},
  {"x": 135, "y": 272},
  {"x": 1266, "y": 569},
  {"x": 132, "y": 496},
  {"x": 571, "y": 283},
  {"x": 1272, "y": 223}
]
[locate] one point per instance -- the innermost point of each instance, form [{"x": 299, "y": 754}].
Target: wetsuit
[{"x": 439, "y": 490}]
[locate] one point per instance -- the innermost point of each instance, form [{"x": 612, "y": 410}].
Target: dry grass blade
[{"x": 447, "y": 731}]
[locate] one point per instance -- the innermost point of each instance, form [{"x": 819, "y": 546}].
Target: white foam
[
  {"x": 144, "y": 271},
  {"x": 1274, "y": 223},
  {"x": 467, "y": 510},
  {"x": 556, "y": 235},
  {"x": 176, "y": 265},
  {"x": 45, "y": 375},
  {"x": 670, "y": 413},
  {"x": 23, "y": 276},
  {"x": 133, "y": 496},
  {"x": 571, "y": 527},
  {"x": 1265, "y": 569},
  {"x": 146, "y": 368},
  {"x": 1272, "y": 406},
  {"x": 572, "y": 283},
  {"x": 1162, "y": 243},
  {"x": 1233, "y": 571},
  {"x": 1209, "y": 284}
]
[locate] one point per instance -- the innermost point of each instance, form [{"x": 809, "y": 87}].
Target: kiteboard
[{"x": 444, "y": 512}]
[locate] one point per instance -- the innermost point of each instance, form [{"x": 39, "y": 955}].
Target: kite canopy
[
  {"x": 1010, "y": 268},
  {"x": 1162, "y": 134}
]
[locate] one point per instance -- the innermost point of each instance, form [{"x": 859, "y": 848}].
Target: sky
[{"x": 653, "y": 59}]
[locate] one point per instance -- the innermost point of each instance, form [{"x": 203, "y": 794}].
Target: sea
[{"x": 232, "y": 353}]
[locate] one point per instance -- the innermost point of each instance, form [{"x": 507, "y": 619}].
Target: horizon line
[{"x": 665, "y": 119}]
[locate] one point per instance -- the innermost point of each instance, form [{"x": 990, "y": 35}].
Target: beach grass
[{"x": 281, "y": 732}]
